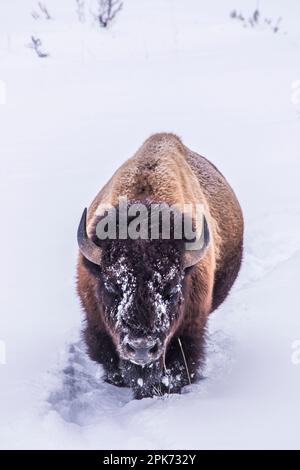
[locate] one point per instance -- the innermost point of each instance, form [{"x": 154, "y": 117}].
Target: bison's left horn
[
  {"x": 88, "y": 248},
  {"x": 192, "y": 255}
]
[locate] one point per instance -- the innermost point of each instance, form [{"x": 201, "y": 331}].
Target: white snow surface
[{"x": 69, "y": 121}]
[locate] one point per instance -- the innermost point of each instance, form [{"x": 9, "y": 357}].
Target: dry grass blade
[
  {"x": 185, "y": 363},
  {"x": 157, "y": 391}
]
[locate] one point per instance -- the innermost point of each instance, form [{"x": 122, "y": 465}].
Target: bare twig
[
  {"x": 107, "y": 11},
  {"x": 256, "y": 20},
  {"x": 44, "y": 10},
  {"x": 36, "y": 45}
]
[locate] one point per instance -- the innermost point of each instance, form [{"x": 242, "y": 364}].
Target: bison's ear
[
  {"x": 191, "y": 255},
  {"x": 87, "y": 247}
]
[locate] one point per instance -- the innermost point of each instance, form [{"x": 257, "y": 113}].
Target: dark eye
[
  {"x": 170, "y": 292},
  {"x": 112, "y": 289}
]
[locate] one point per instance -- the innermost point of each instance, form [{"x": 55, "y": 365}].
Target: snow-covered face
[{"x": 141, "y": 288}]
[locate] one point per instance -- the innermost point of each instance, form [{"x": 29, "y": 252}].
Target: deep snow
[{"x": 69, "y": 121}]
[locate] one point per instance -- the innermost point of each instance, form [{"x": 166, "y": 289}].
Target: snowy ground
[{"x": 68, "y": 122}]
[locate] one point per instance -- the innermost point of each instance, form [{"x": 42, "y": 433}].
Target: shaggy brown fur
[{"x": 163, "y": 169}]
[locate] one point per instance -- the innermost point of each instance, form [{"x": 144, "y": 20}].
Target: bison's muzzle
[{"x": 141, "y": 351}]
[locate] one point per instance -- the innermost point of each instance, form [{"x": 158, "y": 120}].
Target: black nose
[{"x": 141, "y": 351}]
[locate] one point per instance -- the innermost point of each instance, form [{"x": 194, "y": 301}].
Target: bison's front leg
[
  {"x": 102, "y": 350},
  {"x": 184, "y": 357},
  {"x": 145, "y": 381}
]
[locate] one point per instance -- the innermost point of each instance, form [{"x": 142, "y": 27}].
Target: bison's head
[{"x": 140, "y": 285}]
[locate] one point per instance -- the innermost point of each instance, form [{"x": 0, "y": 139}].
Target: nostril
[
  {"x": 141, "y": 350},
  {"x": 154, "y": 349},
  {"x": 130, "y": 349}
]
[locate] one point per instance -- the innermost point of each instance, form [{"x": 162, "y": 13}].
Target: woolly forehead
[
  {"x": 144, "y": 276},
  {"x": 125, "y": 276},
  {"x": 142, "y": 260}
]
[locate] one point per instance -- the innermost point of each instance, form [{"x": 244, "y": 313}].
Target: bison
[{"x": 147, "y": 300}]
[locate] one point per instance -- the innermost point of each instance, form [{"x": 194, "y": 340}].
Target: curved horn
[
  {"x": 89, "y": 249},
  {"x": 191, "y": 257}
]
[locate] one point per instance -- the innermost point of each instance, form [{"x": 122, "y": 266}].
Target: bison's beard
[{"x": 146, "y": 381}]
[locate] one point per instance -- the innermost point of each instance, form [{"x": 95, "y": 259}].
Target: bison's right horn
[
  {"x": 88, "y": 248},
  {"x": 192, "y": 257}
]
